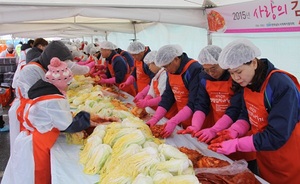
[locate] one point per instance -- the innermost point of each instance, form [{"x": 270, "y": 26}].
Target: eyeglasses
[
  {"x": 210, "y": 70},
  {"x": 166, "y": 66}
]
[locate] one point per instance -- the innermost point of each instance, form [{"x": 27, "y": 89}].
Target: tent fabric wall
[{"x": 282, "y": 49}]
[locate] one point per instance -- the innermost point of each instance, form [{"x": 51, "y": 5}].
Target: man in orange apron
[
  {"x": 46, "y": 114},
  {"x": 182, "y": 77},
  {"x": 141, "y": 73},
  {"x": 118, "y": 70},
  {"x": 150, "y": 97},
  {"x": 128, "y": 58},
  {"x": 271, "y": 103},
  {"x": 9, "y": 51}
]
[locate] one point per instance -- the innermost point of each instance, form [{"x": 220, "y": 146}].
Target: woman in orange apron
[
  {"x": 152, "y": 95},
  {"x": 217, "y": 106},
  {"x": 271, "y": 103},
  {"x": 118, "y": 70},
  {"x": 46, "y": 113},
  {"x": 141, "y": 73},
  {"x": 181, "y": 71}
]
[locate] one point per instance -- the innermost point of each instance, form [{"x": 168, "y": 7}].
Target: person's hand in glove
[
  {"x": 141, "y": 94},
  {"x": 130, "y": 80},
  {"x": 237, "y": 129},
  {"x": 107, "y": 81},
  {"x": 159, "y": 113},
  {"x": 169, "y": 127},
  {"x": 208, "y": 134},
  {"x": 91, "y": 65},
  {"x": 197, "y": 122},
  {"x": 244, "y": 144},
  {"x": 182, "y": 115},
  {"x": 148, "y": 102}
]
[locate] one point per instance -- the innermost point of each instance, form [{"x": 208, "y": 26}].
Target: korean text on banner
[{"x": 256, "y": 16}]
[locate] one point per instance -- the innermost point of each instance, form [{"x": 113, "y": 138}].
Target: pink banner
[{"x": 256, "y": 16}]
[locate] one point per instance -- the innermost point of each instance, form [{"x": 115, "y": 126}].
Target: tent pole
[
  {"x": 134, "y": 30},
  {"x": 209, "y": 38}
]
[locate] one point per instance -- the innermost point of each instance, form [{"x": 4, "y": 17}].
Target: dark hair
[
  {"x": 30, "y": 42},
  {"x": 40, "y": 41},
  {"x": 258, "y": 78}
]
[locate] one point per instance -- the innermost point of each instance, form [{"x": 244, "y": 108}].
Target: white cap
[
  {"x": 167, "y": 53},
  {"x": 237, "y": 53},
  {"x": 107, "y": 45},
  {"x": 136, "y": 47},
  {"x": 209, "y": 55},
  {"x": 150, "y": 57}
]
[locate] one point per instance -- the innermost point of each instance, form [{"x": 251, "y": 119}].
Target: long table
[{"x": 65, "y": 166}]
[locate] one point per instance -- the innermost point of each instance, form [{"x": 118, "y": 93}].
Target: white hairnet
[
  {"x": 93, "y": 50},
  {"x": 237, "y": 53},
  {"x": 88, "y": 47},
  {"x": 11, "y": 46},
  {"x": 209, "y": 55},
  {"x": 136, "y": 47},
  {"x": 72, "y": 48},
  {"x": 150, "y": 57},
  {"x": 107, "y": 45},
  {"x": 167, "y": 53}
]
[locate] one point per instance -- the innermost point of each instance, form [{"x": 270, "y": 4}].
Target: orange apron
[
  {"x": 10, "y": 55},
  {"x": 173, "y": 111},
  {"x": 220, "y": 93},
  {"x": 278, "y": 166},
  {"x": 41, "y": 144},
  {"x": 142, "y": 79},
  {"x": 23, "y": 101},
  {"x": 181, "y": 93},
  {"x": 128, "y": 89}
]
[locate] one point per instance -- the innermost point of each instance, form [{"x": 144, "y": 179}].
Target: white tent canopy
[{"x": 91, "y": 17}]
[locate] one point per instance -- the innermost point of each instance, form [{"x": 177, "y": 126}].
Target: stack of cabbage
[
  {"x": 84, "y": 95},
  {"x": 125, "y": 153}
]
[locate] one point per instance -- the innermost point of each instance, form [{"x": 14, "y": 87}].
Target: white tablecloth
[{"x": 65, "y": 166}]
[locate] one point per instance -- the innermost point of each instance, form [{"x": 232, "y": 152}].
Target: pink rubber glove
[
  {"x": 237, "y": 129},
  {"x": 197, "y": 122},
  {"x": 244, "y": 144},
  {"x": 141, "y": 94},
  {"x": 182, "y": 115},
  {"x": 103, "y": 76},
  {"x": 159, "y": 113},
  {"x": 208, "y": 134},
  {"x": 148, "y": 97},
  {"x": 84, "y": 62},
  {"x": 148, "y": 103},
  {"x": 107, "y": 81},
  {"x": 129, "y": 80},
  {"x": 101, "y": 67},
  {"x": 91, "y": 65}
]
